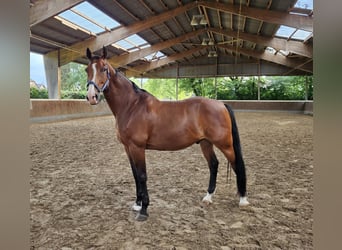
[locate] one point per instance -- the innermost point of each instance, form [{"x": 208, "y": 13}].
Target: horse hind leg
[
  {"x": 238, "y": 165},
  {"x": 209, "y": 154}
]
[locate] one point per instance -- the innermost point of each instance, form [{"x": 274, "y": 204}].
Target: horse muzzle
[
  {"x": 94, "y": 99},
  {"x": 93, "y": 96}
]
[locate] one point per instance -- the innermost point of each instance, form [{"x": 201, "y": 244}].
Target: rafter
[
  {"x": 119, "y": 33},
  {"x": 276, "y": 43},
  {"x": 270, "y": 16},
  {"x": 301, "y": 66},
  {"x": 122, "y": 60},
  {"x": 42, "y": 10},
  {"x": 159, "y": 63},
  {"x": 263, "y": 55},
  {"x": 299, "y": 59}
]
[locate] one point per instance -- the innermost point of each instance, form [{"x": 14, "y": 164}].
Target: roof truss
[{"x": 228, "y": 27}]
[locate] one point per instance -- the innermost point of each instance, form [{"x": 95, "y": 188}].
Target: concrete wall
[
  {"x": 46, "y": 110},
  {"x": 288, "y": 106}
]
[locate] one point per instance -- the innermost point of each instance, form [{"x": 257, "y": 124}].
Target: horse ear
[
  {"x": 88, "y": 53},
  {"x": 104, "y": 52}
]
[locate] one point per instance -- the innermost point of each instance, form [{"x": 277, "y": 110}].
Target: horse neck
[{"x": 120, "y": 95}]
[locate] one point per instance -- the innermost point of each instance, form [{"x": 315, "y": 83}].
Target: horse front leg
[
  {"x": 137, "y": 204},
  {"x": 138, "y": 163}
]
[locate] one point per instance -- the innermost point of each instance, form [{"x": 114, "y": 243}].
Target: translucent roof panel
[
  {"x": 80, "y": 21},
  {"x": 97, "y": 15},
  {"x": 301, "y": 34},
  {"x": 155, "y": 56},
  {"x": 285, "y": 31},
  {"x": 131, "y": 43},
  {"x": 270, "y": 50},
  {"x": 123, "y": 44},
  {"x": 84, "y": 16},
  {"x": 137, "y": 40},
  {"x": 304, "y": 4}
]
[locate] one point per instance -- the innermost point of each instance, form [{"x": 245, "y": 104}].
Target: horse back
[{"x": 173, "y": 125}]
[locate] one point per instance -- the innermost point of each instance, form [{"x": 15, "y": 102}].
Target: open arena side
[
  {"x": 82, "y": 188},
  {"x": 45, "y": 110}
]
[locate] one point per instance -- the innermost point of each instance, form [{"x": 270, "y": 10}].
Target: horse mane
[{"x": 137, "y": 89}]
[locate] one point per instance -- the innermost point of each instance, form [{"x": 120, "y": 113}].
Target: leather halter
[{"x": 105, "y": 85}]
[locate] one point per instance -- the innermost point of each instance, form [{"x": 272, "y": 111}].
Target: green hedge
[
  {"x": 38, "y": 93},
  {"x": 43, "y": 94},
  {"x": 66, "y": 94}
]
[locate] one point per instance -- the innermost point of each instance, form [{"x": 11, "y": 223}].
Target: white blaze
[
  {"x": 94, "y": 71},
  {"x": 91, "y": 87}
]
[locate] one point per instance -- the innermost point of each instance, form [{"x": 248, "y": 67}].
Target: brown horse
[{"x": 144, "y": 122}]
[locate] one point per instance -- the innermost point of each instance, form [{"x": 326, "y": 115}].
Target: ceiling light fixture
[
  {"x": 198, "y": 20},
  {"x": 207, "y": 41},
  {"x": 212, "y": 53}
]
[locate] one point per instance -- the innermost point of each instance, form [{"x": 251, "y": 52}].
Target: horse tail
[{"x": 239, "y": 167}]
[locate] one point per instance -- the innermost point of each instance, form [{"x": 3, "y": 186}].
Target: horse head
[{"x": 98, "y": 75}]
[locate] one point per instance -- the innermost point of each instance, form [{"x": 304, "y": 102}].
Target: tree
[
  {"x": 38, "y": 93},
  {"x": 73, "y": 81},
  {"x": 199, "y": 86},
  {"x": 227, "y": 88},
  {"x": 165, "y": 89},
  {"x": 287, "y": 88},
  {"x": 73, "y": 77}
]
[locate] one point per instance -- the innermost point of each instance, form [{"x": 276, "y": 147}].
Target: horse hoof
[
  {"x": 207, "y": 199},
  {"x": 206, "y": 202},
  {"x": 136, "y": 207},
  {"x": 243, "y": 202},
  {"x": 141, "y": 217}
]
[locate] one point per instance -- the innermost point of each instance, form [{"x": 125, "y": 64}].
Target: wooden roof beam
[
  {"x": 305, "y": 65},
  {"x": 263, "y": 55},
  {"x": 119, "y": 61},
  {"x": 297, "y": 47},
  {"x": 159, "y": 63},
  {"x": 42, "y": 10},
  {"x": 71, "y": 54},
  {"x": 269, "y": 16}
]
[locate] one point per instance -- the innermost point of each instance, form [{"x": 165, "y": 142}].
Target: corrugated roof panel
[
  {"x": 281, "y": 5},
  {"x": 163, "y": 32},
  {"x": 252, "y": 25},
  {"x": 150, "y": 36},
  {"x": 261, "y": 4},
  {"x": 131, "y": 12},
  {"x": 226, "y": 20}
]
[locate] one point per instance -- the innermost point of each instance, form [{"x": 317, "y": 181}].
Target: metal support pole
[
  {"x": 216, "y": 78},
  {"x": 216, "y": 87},
  {"x": 259, "y": 80},
  {"x": 177, "y": 81},
  {"x": 59, "y": 75},
  {"x": 306, "y": 88}
]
